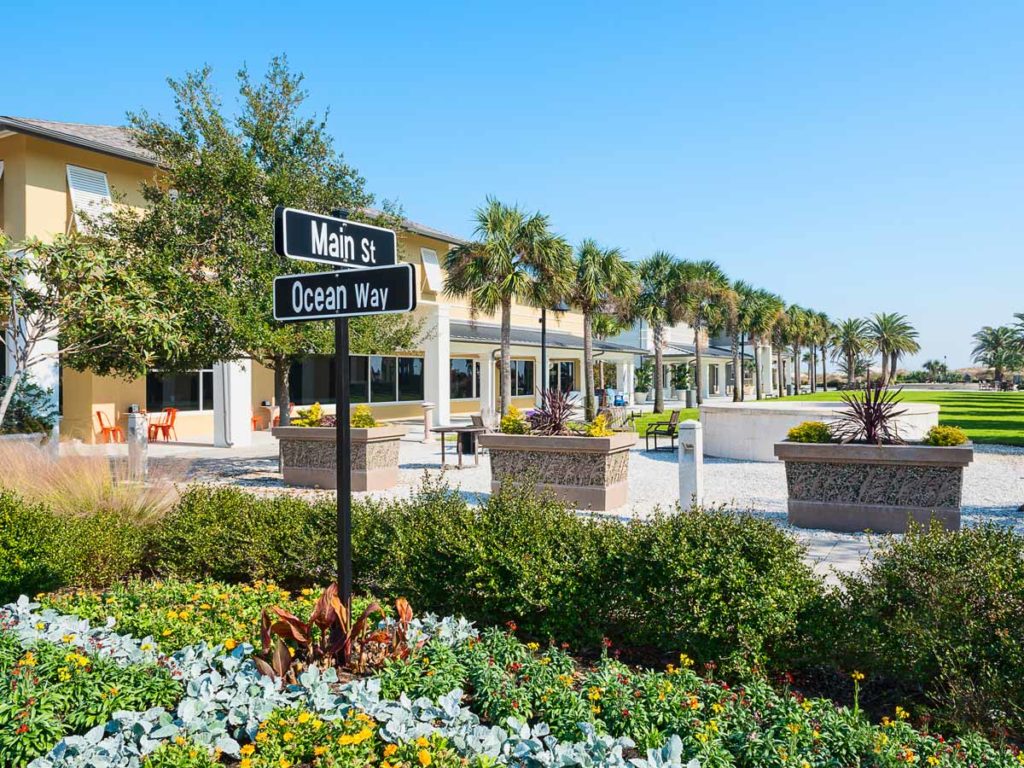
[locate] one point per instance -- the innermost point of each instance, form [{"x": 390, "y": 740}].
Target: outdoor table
[{"x": 459, "y": 431}]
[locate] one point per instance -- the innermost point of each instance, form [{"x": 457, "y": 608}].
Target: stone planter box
[
  {"x": 308, "y": 456},
  {"x": 856, "y": 487},
  {"x": 639, "y": 398},
  {"x": 586, "y": 472}
]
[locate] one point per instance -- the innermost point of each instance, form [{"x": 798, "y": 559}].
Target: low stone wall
[
  {"x": 587, "y": 472},
  {"x": 309, "y": 456},
  {"x": 873, "y": 487},
  {"x": 748, "y": 431}
]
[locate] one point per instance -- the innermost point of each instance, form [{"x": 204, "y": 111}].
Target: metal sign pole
[{"x": 343, "y": 462}]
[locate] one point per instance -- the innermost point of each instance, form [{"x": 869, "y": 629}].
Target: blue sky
[{"x": 853, "y": 157}]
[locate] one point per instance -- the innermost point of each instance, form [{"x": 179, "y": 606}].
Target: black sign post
[{"x": 369, "y": 281}]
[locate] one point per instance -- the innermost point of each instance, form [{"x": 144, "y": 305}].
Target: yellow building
[{"x": 50, "y": 170}]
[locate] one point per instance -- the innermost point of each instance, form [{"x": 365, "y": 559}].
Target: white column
[
  {"x": 765, "y": 357},
  {"x": 691, "y": 464},
  {"x": 722, "y": 382},
  {"x": 705, "y": 380},
  {"x": 437, "y": 364},
  {"x": 232, "y": 404},
  {"x": 624, "y": 378},
  {"x": 487, "y": 404}
]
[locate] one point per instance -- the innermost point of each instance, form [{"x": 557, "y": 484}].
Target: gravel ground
[{"x": 993, "y": 488}]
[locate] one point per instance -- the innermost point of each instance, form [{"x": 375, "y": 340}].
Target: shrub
[
  {"x": 553, "y": 415},
  {"x": 362, "y": 417},
  {"x": 810, "y": 432},
  {"x": 942, "y": 434},
  {"x": 308, "y": 417},
  {"x": 26, "y": 566},
  {"x": 599, "y": 427},
  {"x": 97, "y": 549},
  {"x": 513, "y": 422},
  {"x": 940, "y": 612}
]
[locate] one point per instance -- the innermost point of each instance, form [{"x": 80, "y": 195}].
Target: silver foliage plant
[{"x": 226, "y": 698}]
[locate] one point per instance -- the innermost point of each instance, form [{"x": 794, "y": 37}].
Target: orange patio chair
[
  {"x": 109, "y": 433},
  {"x": 166, "y": 425}
]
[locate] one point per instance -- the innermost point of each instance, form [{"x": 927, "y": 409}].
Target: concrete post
[
  {"x": 428, "y": 436},
  {"x": 487, "y": 384},
  {"x": 691, "y": 464},
  {"x": 704, "y": 381},
  {"x": 722, "y": 379},
  {"x": 232, "y": 404},
  {"x": 138, "y": 446},
  {"x": 437, "y": 364},
  {"x": 765, "y": 358}
]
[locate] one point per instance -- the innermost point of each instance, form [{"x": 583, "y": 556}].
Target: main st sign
[{"x": 330, "y": 240}]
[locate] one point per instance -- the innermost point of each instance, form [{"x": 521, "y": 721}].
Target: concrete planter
[
  {"x": 586, "y": 472},
  {"x": 308, "y": 456},
  {"x": 856, "y": 487},
  {"x": 639, "y": 398}
]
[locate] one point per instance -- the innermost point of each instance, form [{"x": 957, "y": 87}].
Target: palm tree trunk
[
  {"x": 699, "y": 377},
  {"x": 743, "y": 378},
  {"x": 758, "y": 383},
  {"x": 894, "y": 358},
  {"x": 659, "y": 394},
  {"x": 851, "y": 365},
  {"x": 778, "y": 370},
  {"x": 588, "y": 368},
  {"x": 737, "y": 372},
  {"x": 824, "y": 371},
  {"x": 796, "y": 369},
  {"x": 506, "y": 351}
]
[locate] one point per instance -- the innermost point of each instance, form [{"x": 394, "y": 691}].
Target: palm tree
[
  {"x": 826, "y": 340},
  {"x": 892, "y": 336},
  {"x": 1018, "y": 330},
  {"x": 997, "y": 348},
  {"x": 767, "y": 313},
  {"x": 602, "y": 276},
  {"x": 739, "y": 327},
  {"x": 655, "y": 304},
  {"x": 797, "y": 330},
  {"x": 935, "y": 369},
  {"x": 850, "y": 344},
  {"x": 705, "y": 299},
  {"x": 780, "y": 339},
  {"x": 515, "y": 257}
]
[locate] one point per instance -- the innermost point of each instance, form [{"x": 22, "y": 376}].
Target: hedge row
[{"x": 936, "y": 616}]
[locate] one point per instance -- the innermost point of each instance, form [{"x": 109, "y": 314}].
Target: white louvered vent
[
  {"x": 432, "y": 270},
  {"x": 90, "y": 194}
]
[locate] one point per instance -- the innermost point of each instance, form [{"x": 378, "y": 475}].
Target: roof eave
[{"x": 18, "y": 126}]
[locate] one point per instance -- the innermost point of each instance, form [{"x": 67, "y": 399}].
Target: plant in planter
[
  {"x": 584, "y": 465},
  {"x": 681, "y": 380},
  {"x": 858, "y": 473},
  {"x": 308, "y": 453},
  {"x": 642, "y": 382}
]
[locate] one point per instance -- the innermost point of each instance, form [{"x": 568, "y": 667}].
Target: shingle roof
[
  {"x": 421, "y": 229},
  {"x": 108, "y": 139},
  {"x": 486, "y": 333},
  {"x": 672, "y": 349}
]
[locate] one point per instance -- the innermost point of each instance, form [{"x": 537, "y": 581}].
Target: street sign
[
  {"x": 345, "y": 293},
  {"x": 331, "y": 240}
]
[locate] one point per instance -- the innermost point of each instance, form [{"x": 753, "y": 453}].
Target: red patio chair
[
  {"x": 166, "y": 426},
  {"x": 109, "y": 433}
]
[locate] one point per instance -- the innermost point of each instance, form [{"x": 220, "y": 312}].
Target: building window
[
  {"x": 373, "y": 378},
  {"x": 522, "y": 378},
  {"x": 191, "y": 391},
  {"x": 562, "y": 375},
  {"x": 465, "y": 378}
]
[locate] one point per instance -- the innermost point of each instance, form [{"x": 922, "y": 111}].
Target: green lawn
[
  {"x": 986, "y": 417},
  {"x": 640, "y": 425}
]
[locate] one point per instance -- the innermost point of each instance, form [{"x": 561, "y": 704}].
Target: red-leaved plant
[
  {"x": 330, "y": 637},
  {"x": 870, "y": 415}
]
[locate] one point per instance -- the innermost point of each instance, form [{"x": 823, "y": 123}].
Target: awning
[
  {"x": 486, "y": 333},
  {"x": 674, "y": 349}
]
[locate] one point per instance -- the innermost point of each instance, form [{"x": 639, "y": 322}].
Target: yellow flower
[
  {"x": 109, "y": 600},
  {"x": 685, "y": 661},
  {"x": 933, "y": 760},
  {"x": 793, "y": 727},
  {"x": 288, "y": 736},
  {"x": 284, "y": 763},
  {"x": 424, "y": 757},
  {"x": 307, "y": 591},
  {"x": 670, "y": 669},
  {"x": 146, "y": 647},
  {"x": 246, "y": 763},
  {"x": 857, "y": 676},
  {"x": 901, "y": 713},
  {"x": 172, "y": 615},
  {"x": 717, "y": 708},
  {"x": 806, "y": 704},
  {"x": 166, "y": 632},
  {"x": 247, "y": 750},
  {"x": 179, "y": 740},
  {"x": 230, "y": 644},
  {"x": 594, "y": 693},
  {"x": 422, "y": 742},
  {"x": 304, "y": 717},
  {"x": 205, "y": 607},
  {"x": 40, "y": 625},
  {"x": 533, "y": 646},
  {"x": 390, "y": 749},
  {"x": 29, "y": 660},
  {"x": 595, "y": 709},
  {"x": 261, "y": 737},
  {"x": 68, "y": 639},
  {"x": 319, "y": 750}
]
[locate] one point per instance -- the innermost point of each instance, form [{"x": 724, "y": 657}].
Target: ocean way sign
[
  {"x": 329, "y": 240},
  {"x": 345, "y": 293}
]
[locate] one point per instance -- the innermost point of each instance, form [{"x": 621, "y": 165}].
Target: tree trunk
[
  {"x": 12, "y": 387},
  {"x": 851, "y": 370},
  {"x": 893, "y": 360},
  {"x": 796, "y": 369},
  {"x": 813, "y": 370},
  {"x": 778, "y": 368},
  {"x": 758, "y": 384},
  {"x": 824, "y": 371},
  {"x": 506, "y": 351},
  {"x": 737, "y": 371},
  {"x": 743, "y": 378},
  {"x": 282, "y": 371},
  {"x": 588, "y": 368},
  {"x": 885, "y": 367},
  {"x": 659, "y": 393},
  {"x": 699, "y": 378},
  {"x": 601, "y": 372}
]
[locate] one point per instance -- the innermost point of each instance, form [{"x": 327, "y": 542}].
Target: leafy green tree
[
  {"x": 851, "y": 343},
  {"x": 706, "y": 300},
  {"x": 997, "y": 348},
  {"x": 602, "y": 280},
  {"x": 936, "y": 370},
  {"x": 657, "y": 305},
  {"x": 892, "y": 336},
  {"x": 515, "y": 257},
  {"x": 206, "y": 238},
  {"x": 88, "y": 299},
  {"x": 739, "y": 327},
  {"x": 766, "y": 313}
]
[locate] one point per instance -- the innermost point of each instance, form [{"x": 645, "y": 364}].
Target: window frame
[
  {"x": 475, "y": 378},
  {"x": 201, "y": 390}
]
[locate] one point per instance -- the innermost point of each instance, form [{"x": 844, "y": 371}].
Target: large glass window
[
  {"x": 191, "y": 391},
  {"x": 562, "y": 375},
  {"x": 465, "y": 378},
  {"x": 522, "y": 378},
  {"x": 373, "y": 378},
  {"x": 410, "y": 378}
]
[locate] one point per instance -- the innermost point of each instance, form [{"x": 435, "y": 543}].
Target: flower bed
[{"x": 524, "y": 705}]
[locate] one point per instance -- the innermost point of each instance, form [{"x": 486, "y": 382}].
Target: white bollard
[
  {"x": 428, "y": 436},
  {"x": 138, "y": 446},
  {"x": 691, "y": 464}
]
